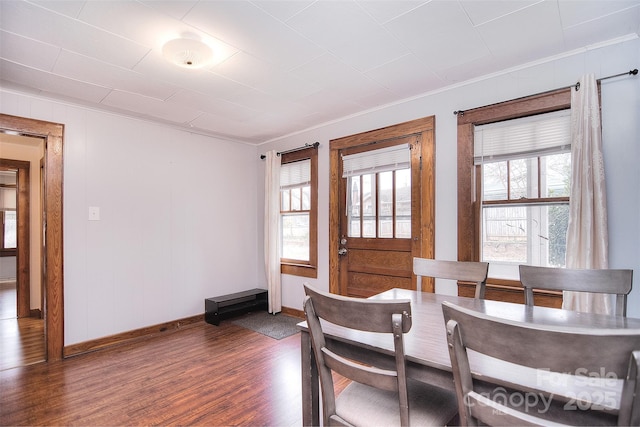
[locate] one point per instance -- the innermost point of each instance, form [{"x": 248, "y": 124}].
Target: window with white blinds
[
  {"x": 530, "y": 136},
  {"x": 295, "y": 210},
  {"x": 295, "y": 174},
  {"x": 375, "y": 161},
  {"x": 525, "y": 167},
  {"x": 299, "y": 212}
]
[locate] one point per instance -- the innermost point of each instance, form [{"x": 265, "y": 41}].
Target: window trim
[
  {"x": 293, "y": 267},
  {"x": 469, "y": 208}
]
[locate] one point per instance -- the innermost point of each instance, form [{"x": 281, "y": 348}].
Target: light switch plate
[{"x": 94, "y": 213}]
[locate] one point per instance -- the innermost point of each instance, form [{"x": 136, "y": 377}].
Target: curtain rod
[
  {"x": 307, "y": 145},
  {"x": 628, "y": 73},
  {"x": 576, "y": 86}
]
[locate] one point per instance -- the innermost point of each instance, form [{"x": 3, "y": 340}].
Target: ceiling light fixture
[{"x": 188, "y": 52}]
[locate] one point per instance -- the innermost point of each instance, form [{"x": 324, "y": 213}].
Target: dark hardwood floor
[
  {"x": 200, "y": 375},
  {"x": 8, "y": 306},
  {"x": 21, "y": 340}
]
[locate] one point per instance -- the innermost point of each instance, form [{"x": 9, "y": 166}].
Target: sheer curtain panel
[
  {"x": 587, "y": 235},
  {"x": 272, "y": 230}
]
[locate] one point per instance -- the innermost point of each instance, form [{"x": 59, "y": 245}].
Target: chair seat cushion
[{"x": 361, "y": 405}]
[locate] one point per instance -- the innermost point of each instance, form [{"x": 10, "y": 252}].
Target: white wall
[
  {"x": 177, "y": 218},
  {"x": 8, "y": 268},
  {"x": 621, "y": 137}
]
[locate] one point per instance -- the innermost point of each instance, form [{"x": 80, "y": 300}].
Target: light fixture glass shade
[{"x": 187, "y": 53}]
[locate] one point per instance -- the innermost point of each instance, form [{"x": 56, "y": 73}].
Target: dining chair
[
  {"x": 466, "y": 271},
  {"x": 607, "y": 281},
  {"x": 379, "y": 392},
  {"x": 510, "y": 372}
]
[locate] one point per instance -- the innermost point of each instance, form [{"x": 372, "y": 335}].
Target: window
[
  {"x": 379, "y": 196},
  {"x": 9, "y": 229},
  {"x": 298, "y": 212},
  {"x": 524, "y": 166},
  {"x": 513, "y": 184}
]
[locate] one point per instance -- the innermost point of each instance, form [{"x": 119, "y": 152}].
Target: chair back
[
  {"x": 465, "y": 271},
  {"x": 605, "y": 281},
  {"x": 569, "y": 372},
  {"x": 392, "y": 317}
]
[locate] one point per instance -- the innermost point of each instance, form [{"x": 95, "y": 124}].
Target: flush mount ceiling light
[{"x": 188, "y": 52}]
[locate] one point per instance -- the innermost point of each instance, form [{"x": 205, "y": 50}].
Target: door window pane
[
  {"x": 385, "y": 200},
  {"x": 385, "y": 205},
  {"x": 353, "y": 205},
  {"x": 368, "y": 205},
  {"x": 403, "y": 203}
]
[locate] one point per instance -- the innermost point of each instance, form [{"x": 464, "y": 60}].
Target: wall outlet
[{"x": 94, "y": 213}]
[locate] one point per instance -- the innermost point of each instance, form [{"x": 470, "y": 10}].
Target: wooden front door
[{"x": 381, "y": 216}]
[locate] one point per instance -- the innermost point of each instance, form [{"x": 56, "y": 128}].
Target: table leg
[{"x": 310, "y": 384}]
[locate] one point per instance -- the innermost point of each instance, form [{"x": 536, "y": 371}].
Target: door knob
[{"x": 342, "y": 251}]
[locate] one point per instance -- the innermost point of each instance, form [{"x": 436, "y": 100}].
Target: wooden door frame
[
  {"x": 424, "y": 246},
  {"x": 52, "y": 133},
  {"x": 23, "y": 251}
]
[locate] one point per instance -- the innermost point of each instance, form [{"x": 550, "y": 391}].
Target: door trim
[
  {"x": 52, "y": 133},
  {"x": 426, "y": 243}
]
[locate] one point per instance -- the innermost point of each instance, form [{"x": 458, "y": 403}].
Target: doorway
[
  {"x": 52, "y": 254},
  {"x": 19, "y": 172},
  {"x": 381, "y": 215},
  {"x": 22, "y": 328}
]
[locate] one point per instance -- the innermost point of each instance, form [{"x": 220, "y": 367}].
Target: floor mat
[{"x": 276, "y": 326}]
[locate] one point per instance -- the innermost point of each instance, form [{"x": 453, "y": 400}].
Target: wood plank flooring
[
  {"x": 8, "y": 295},
  {"x": 22, "y": 340},
  {"x": 200, "y": 375}
]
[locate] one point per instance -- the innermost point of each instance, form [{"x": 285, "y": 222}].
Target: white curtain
[
  {"x": 272, "y": 230},
  {"x": 587, "y": 235}
]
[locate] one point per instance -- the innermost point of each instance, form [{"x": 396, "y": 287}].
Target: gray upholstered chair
[
  {"x": 607, "y": 281},
  {"x": 377, "y": 395},
  {"x": 526, "y": 383},
  {"x": 466, "y": 271}
]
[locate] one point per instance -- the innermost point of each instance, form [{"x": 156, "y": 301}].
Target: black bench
[{"x": 225, "y": 306}]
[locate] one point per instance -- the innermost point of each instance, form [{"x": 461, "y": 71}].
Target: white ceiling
[{"x": 290, "y": 65}]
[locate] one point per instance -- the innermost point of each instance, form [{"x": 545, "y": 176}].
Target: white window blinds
[
  {"x": 381, "y": 160},
  {"x": 295, "y": 174},
  {"x": 526, "y": 137},
  {"x": 7, "y": 199}
]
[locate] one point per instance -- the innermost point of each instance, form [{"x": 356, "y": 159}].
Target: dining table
[{"x": 426, "y": 351}]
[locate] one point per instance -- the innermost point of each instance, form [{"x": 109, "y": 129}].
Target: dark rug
[{"x": 276, "y": 326}]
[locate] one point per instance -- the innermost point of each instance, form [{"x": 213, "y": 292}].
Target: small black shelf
[{"x": 226, "y": 306}]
